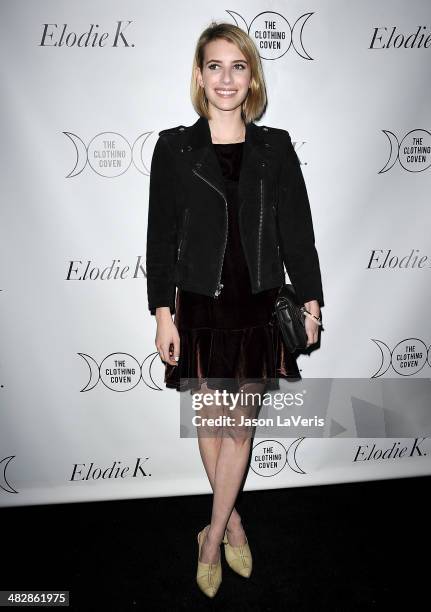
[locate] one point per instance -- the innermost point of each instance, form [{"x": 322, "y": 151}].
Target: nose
[{"x": 227, "y": 77}]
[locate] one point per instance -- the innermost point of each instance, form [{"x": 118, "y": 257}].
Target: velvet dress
[{"x": 231, "y": 339}]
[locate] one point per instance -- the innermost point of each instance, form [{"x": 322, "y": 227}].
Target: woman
[{"x": 228, "y": 207}]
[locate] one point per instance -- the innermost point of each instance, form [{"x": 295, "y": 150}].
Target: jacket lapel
[
  {"x": 203, "y": 158},
  {"x": 259, "y": 158}
]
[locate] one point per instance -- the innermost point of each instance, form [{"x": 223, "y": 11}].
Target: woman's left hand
[{"x": 311, "y": 327}]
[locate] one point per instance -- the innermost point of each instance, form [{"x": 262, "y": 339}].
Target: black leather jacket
[{"x": 188, "y": 222}]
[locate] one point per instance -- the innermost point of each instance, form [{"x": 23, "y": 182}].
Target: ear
[{"x": 198, "y": 76}]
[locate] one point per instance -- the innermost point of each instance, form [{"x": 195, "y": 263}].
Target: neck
[{"x": 227, "y": 127}]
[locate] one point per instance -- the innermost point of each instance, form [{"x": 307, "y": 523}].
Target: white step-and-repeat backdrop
[{"x": 86, "y": 87}]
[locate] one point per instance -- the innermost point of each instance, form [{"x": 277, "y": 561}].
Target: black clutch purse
[{"x": 290, "y": 318}]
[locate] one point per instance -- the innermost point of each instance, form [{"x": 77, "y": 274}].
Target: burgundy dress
[{"x": 231, "y": 339}]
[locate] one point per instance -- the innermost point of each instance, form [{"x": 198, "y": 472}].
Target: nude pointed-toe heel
[
  {"x": 238, "y": 557},
  {"x": 208, "y": 575}
]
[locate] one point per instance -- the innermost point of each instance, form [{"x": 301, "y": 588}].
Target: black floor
[{"x": 359, "y": 546}]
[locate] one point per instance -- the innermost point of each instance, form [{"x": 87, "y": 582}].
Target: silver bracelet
[{"x": 309, "y": 314}]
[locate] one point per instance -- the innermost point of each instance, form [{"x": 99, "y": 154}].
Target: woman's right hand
[{"x": 167, "y": 335}]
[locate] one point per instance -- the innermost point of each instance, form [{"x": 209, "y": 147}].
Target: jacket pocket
[{"x": 183, "y": 237}]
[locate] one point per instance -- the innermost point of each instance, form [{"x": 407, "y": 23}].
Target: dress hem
[{"x": 273, "y": 384}]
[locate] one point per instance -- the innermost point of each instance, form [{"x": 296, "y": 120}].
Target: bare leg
[
  {"x": 209, "y": 441},
  {"x": 230, "y": 468}
]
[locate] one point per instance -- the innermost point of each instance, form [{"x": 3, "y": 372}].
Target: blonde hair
[{"x": 255, "y": 102}]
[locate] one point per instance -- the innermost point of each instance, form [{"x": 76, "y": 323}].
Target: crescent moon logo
[
  {"x": 147, "y": 374},
  {"x": 81, "y": 154},
  {"x": 297, "y": 36},
  {"x": 137, "y": 150},
  {"x": 291, "y": 456},
  {"x": 239, "y": 20},
  {"x": 275, "y": 41},
  {"x": 94, "y": 372},
  {"x": 385, "y": 353},
  {"x": 109, "y": 154},
  {"x": 394, "y": 147},
  {"x": 4, "y": 484}
]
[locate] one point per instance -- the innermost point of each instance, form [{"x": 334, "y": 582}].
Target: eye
[{"x": 236, "y": 66}]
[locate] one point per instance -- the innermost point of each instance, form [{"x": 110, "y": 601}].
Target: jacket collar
[
  {"x": 199, "y": 150},
  {"x": 200, "y": 134}
]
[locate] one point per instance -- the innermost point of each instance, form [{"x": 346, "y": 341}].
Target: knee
[
  {"x": 212, "y": 431},
  {"x": 238, "y": 436}
]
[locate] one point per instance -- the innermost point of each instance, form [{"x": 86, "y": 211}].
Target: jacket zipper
[
  {"x": 259, "y": 240},
  {"x": 276, "y": 227},
  {"x": 219, "y": 284},
  {"x": 186, "y": 213}
]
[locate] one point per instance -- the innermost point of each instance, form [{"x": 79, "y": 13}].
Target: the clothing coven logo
[
  {"x": 109, "y": 154},
  {"x": 413, "y": 151},
  {"x": 273, "y": 34},
  {"x": 121, "y": 371},
  {"x": 407, "y": 358}
]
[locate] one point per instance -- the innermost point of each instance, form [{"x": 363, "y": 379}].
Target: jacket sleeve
[
  {"x": 161, "y": 229},
  {"x": 296, "y": 229}
]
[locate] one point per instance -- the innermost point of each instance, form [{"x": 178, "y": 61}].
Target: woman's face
[{"x": 225, "y": 75}]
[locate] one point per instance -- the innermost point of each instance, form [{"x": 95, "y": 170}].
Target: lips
[{"x": 226, "y": 93}]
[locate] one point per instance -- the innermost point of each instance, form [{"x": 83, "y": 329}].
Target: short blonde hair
[{"x": 254, "y": 104}]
